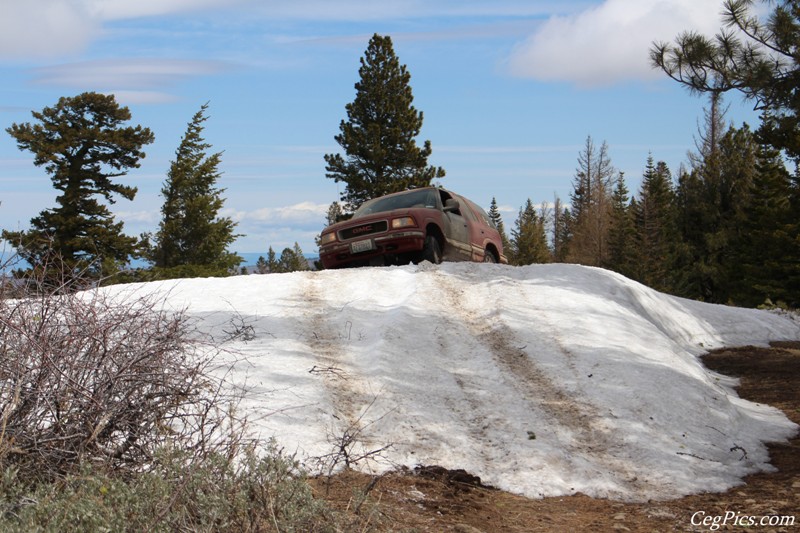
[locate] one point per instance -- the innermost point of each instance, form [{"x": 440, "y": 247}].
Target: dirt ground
[{"x": 434, "y": 499}]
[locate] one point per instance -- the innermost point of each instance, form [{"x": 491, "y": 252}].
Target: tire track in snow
[
  {"x": 325, "y": 340},
  {"x": 582, "y": 420}
]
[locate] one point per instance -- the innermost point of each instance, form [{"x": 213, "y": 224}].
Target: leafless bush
[
  {"x": 347, "y": 446},
  {"x": 89, "y": 376}
]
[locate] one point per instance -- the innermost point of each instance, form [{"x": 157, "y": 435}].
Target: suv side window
[
  {"x": 468, "y": 209},
  {"x": 447, "y": 196},
  {"x": 482, "y": 213}
]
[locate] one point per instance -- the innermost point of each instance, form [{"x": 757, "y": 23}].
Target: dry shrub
[{"x": 89, "y": 377}]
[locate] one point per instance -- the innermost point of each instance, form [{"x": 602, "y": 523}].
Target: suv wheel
[{"x": 432, "y": 251}]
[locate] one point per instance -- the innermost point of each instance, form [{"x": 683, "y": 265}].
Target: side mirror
[{"x": 451, "y": 205}]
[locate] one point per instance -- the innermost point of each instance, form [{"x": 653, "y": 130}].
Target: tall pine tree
[
  {"x": 83, "y": 145},
  {"x": 380, "y": 152},
  {"x": 528, "y": 238},
  {"x": 622, "y": 251},
  {"x": 591, "y": 206},
  {"x": 654, "y": 222},
  {"x": 192, "y": 239},
  {"x": 497, "y": 220},
  {"x": 768, "y": 251}
]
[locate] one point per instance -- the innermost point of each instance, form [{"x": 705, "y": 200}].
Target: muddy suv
[{"x": 421, "y": 224}]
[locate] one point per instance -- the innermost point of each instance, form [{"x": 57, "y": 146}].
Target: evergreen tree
[
  {"x": 300, "y": 258},
  {"x": 528, "y": 239},
  {"x": 262, "y": 267},
  {"x": 591, "y": 206},
  {"x": 561, "y": 234},
  {"x": 192, "y": 239},
  {"x": 334, "y": 213},
  {"x": 272, "y": 261},
  {"x": 622, "y": 250},
  {"x": 378, "y": 138},
  {"x": 708, "y": 137},
  {"x": 768, "y": 252},
  {"x": 654, "y": 222},
  {"x": 689, "y": 277},
  {"x": 754, "y": 55},
  {"x": 82, "y": 144},
  {"x": 291, "y": 260},
  {"x": 497, "y": 220},
  {"x": 711, "y": 211}
]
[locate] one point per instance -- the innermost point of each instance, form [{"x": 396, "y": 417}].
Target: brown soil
[{"x": 435, "y": 499}]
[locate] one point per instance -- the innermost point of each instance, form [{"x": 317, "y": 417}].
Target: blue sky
[{"x": 510, "y": 90}]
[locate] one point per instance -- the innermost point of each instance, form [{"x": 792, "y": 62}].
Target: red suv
[{"x": 421, "y": 224}]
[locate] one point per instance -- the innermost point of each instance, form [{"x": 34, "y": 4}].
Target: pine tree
[
  {"x": 528, "y": 239},
  {"x": 262, "y": 267},
  {"x": 334, "y": 214},
  {"x": 769, "y": 265},
  {"x": 272, "y": 262},
  {"x": 689, "y": 276},
  {"x": 381, "y": 155},
  {"x": 711, "y": 212},
  {"x": 754, "y": 54},
  {"x": 292, "y": 260},
  {"x": 497, "y": 220},
  {"x": 192, "y": 239},
  {"x": 561, "y": 231},
  {"x": 82, "y": 144},
  {"x": 654, "y": 222},
  {"x": 591, "y": 206},
  {"x": 622, "y": 251},
  {"x": 301, "y": 263}
]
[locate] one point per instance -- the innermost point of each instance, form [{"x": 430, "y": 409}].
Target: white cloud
[
  {"x": 126, "y": 9},
  {"x": 44, "y": 28},
  {"x": 126, "y": 97},
  {"x": 610, "y": 42},
  {"x": 300, "y": 213},
  {"x": 368, "y": 10},
  {"x": 135, "y": 73},
  {"x": 57, "y": 28}
]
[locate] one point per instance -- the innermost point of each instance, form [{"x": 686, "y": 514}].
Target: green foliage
[
  {"x": 381, "y": 155},
  {"x": 292, "y": 260},
  {"x": 262, "y": 267},
  {"x": 768, "y": 252},
  {"x": 654, "y": 221},
  {"x": 528, "y": 239},
  {"x": 192, "y": 239},
  {"x": 753, "y": 55},
  {"x": 497, "y": 220},
  {"x": 263, "y": 491},
  {"x": 562, "y": 222},
  {"x": 589, "y": 219},
  {"x": 622, "y": 249},
  {"x": 83, "y": 145}
]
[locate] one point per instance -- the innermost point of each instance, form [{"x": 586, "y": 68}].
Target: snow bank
[{"x": 543, "y": 380}]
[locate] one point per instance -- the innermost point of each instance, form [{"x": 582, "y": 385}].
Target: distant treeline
[{"x": 726, "y": 230}]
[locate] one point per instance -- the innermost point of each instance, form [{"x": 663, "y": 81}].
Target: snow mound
[{"x": 543, "y": 380}]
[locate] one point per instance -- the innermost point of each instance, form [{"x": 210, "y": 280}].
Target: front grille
[{"x": 363, "y": 229}]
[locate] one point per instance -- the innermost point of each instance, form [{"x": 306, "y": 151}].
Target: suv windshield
[{"x": 419, "y": 198}]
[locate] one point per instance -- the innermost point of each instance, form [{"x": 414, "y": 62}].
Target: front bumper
[{"x": 339, "y": 254}]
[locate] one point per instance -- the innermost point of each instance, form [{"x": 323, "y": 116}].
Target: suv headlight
[
  {"x": 327, "y": 238},
  {"x": 403, "y": 222}
]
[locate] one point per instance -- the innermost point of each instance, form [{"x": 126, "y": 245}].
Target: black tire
[
  {"x": 432, "y": 251},
  {"x": 488, "y": 257}
]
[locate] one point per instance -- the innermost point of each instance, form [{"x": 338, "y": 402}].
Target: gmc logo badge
[{"x": 362, "y": 229}]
